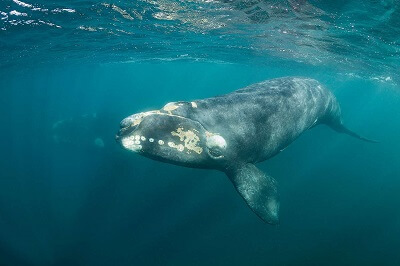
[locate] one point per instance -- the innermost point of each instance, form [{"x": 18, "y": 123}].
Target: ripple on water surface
[{"x": 360, "y": 38}]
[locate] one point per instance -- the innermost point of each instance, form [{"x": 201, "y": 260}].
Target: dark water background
[{"x": 66, "y": 201}]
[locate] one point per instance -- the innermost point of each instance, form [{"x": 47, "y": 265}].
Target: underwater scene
[{"x": 115, "y": 149}]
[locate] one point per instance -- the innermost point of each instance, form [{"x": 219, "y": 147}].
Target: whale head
[{"x": 174, "y": 139}]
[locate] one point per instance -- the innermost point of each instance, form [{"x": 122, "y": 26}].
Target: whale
[{"x": 233, "y": 132}]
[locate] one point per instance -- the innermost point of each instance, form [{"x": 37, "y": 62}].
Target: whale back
[{"x": 260, "y": 120}]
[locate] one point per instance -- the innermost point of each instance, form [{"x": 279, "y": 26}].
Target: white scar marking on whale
[
  {"x": 214, "y": 140},
  {"x": 179, "y": 147},
  {"x": 189, "y": 138},
  {"x": 131, "y": 144},
  {"x": 169, "y": 107}
]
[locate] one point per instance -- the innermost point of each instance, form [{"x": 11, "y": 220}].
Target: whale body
[{"x": 233, "y": 132}]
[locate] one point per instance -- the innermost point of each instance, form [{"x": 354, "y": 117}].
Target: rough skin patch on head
[
  {"x": 169, "y": 107},
  {"x": 189, "y": 138},
  {"x": 215, "y": 140},
  {"x": 131, "y": 144},
  {"x": 137, "y": 118},
  {"x": 194, "y": 104},
  {"x": 179, "y": 147}
]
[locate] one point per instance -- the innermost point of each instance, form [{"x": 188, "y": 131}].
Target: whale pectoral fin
[{"x": 258, "y": 190}]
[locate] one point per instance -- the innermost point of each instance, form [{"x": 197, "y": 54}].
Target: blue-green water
[{"x": 69, "y": 195}]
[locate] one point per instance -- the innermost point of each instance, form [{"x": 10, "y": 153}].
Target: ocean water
[{"x": 70, "y": 71}]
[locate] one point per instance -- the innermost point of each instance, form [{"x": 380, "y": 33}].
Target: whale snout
[
  {"x": 124, "y": 131},
  {"x": 118, "y": 137},
  {"x": 129, "y": 124},
  {"x": 126, "y": 122}
]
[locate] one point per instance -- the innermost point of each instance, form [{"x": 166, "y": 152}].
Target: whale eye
[
  {"x": 216, "y": 145},
  {"x": 215, "y": 152}
]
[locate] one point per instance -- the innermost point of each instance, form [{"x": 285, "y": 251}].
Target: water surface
[{"x": 71, "y": 70}]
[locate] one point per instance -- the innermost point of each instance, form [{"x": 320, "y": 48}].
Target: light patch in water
[
  {"x": 119, "y": 10},
  {"x": 87, "y": 28},
  {"x": 99, "y": 142},
  {"x": 20, "y": 3},
  {"x": 16, "y": 13},
  {"x": 60, "y": 10}
]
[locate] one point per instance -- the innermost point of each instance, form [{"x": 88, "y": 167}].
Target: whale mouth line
[{"x": 127, "y": 130}]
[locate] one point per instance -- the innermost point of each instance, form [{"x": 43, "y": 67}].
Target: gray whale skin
[{"x": 233, "y": 132}]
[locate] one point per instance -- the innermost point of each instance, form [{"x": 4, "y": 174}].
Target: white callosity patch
[
  {"x": 171, "y": 144},
  {"x": 215, "y": 140},
  {"x": 169, "y": 107},
  {"x": 136, "y": 119},
  {"x": 131, "y": 144},
  {"x": 189, "y": 138},
  {"x": 178, "y": 147}
]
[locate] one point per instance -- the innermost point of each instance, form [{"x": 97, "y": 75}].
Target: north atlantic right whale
[{"x": 233, "y": 132}]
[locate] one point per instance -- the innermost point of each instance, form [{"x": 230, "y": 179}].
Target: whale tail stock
[
  {"x": 258, "y": 190},
  {"x": 342, "y": 129}
]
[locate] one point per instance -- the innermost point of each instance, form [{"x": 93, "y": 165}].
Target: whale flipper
[{"x": 258, "y": 190}]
